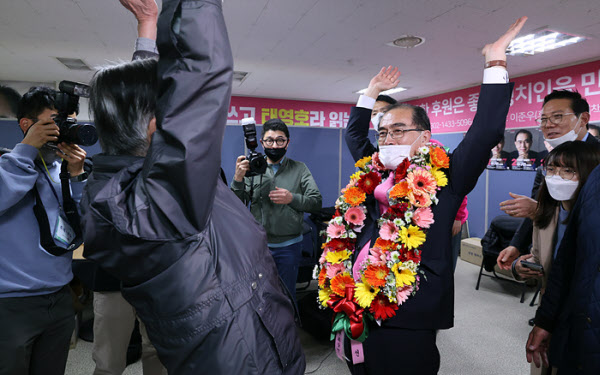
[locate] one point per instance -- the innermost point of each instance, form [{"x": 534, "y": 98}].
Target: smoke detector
[{"x": 407, "y": 41}]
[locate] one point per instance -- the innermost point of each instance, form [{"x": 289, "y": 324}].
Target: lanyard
[{"x": 53, "y": 190}]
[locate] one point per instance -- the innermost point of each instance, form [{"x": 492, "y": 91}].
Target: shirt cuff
[
  {"x": 145, "y": 44},
  {"x": 495, "y": 74},
  {"x": 365, "y": 102}
]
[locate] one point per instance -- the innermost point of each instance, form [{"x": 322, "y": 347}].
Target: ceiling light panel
[{"x": 542, "y": 41}]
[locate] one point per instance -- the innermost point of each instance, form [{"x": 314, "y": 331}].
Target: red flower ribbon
[{"x": 350, "y": 308}]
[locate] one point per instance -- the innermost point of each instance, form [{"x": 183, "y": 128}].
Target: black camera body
[
  {"x": 258, "y": 164},
  {"x": 66, "y": 102}
]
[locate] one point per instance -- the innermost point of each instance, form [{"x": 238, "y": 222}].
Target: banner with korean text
[
  {"x": 454, "y": 111},
  {"x": 292, "y": 112}
]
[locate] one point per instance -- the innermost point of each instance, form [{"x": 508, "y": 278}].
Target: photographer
[
  {"x": 279, "y": 199},
  {"x": 36, "y": 309},
  {"x": 157, "y": 216}
]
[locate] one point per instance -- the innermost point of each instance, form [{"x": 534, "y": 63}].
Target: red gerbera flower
[
  {"x": 382, "y": 308},
  {"x": 339, "y": 244},
  {"x": 397, "y": 210},
  {"x": 369, "y": 181},
  {"x": 401, "y": 170},
  {"x": 412, "y": 255},
  {"x": 377, "y": 164}
]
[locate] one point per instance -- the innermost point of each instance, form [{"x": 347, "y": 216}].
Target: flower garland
[{"x": 389, "y": 275}]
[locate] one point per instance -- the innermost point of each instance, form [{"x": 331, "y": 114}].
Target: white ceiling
[{"x": 306, "y": 49}]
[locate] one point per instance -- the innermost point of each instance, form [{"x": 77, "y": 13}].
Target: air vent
[
  {"x": 73, "y": 64},
  {"x": 407, "y": 41},
  {"x": 239, "y": 77}
]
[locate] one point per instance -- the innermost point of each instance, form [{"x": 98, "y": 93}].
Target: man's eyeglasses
[
  {"x": 395, "y": 134},
  {"x": 564, "y": 172},
  {"x": 280, "y": 141},
  {"x": 556, "y": 119}
]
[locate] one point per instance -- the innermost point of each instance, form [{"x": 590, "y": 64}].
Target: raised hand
[
  {"x": 386, "y": 79},
  {"x": 497, "y": 50},
  {"x": 146, "y": 13}
]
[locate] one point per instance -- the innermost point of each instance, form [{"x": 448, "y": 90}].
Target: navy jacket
[
  {"x": 570, "y": 308},
  {"x": 193, "y": 261},
  {"x": 433, "y": 305}
]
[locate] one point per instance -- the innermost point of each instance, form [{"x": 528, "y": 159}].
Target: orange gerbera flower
[
  {"x": 400, "y": 190},
  {"x": 354, "y": 196},
  {"x": 421, "y": 180},
  {"x": 439, "y": 158},
  {"x": 322, "y": 277},
  {"x": 338, "y": 283},
  {"x": 419, "y": 199},
  {"x": 384, "y": 245},
  {"x": 376, "y": 275}
]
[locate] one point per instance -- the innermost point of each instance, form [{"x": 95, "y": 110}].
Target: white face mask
[
  {"x": 376, "y": 119},
  {"x": 561, "y": 189},
  {"x": 392, "y": 155},
  {"x": 570, "y": 136}
]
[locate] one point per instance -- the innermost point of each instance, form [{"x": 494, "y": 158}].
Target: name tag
[{"x": 63, "y": 232}]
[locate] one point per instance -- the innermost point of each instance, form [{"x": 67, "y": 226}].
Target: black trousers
[
  {"x": 390, "y": 350},
  {"x": 35, "y": 333}
]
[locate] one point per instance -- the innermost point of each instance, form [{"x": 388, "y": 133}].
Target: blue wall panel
[
  {"x": 503, "y": 182},
  {"x": 319, "y": 150}
]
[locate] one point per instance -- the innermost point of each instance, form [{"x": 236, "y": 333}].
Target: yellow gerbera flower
[
  {"x": 440, "y": 176},
  {"x": 335, "y": 257},
  {"x": 364, "y": 294},
  {"x": 362, "y": 162},
  {"x": 412, "y": 237},
  {"x": 404, "y": 276},
  {"x": 324, "y": 294},
  {"x": 356, "y": 176}
]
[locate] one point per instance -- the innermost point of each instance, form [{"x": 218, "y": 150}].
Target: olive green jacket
[{"x": 282, "y": 222}]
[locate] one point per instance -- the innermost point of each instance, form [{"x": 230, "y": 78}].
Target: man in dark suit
[
  {"x": 523, "y": 141},
  {"x": 412, "y": 331},
  {"x": 565, "y": 116}
]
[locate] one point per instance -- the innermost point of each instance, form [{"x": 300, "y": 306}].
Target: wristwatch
[{"x": 80, "y": 177}]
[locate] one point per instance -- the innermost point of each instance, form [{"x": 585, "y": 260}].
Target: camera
[
  {"x": 258, "y": 164},
  {"x": 66, "y": 102}
]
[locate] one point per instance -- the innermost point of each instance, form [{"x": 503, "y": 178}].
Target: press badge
[{"x": 63, "y": 232}]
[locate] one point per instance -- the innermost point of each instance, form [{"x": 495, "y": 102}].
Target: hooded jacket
[{"x": 192, "y": 260}]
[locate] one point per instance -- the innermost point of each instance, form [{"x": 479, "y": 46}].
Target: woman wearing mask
[{"x": 566, "y": 171}]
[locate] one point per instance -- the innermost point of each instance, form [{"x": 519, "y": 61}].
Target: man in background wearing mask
[
  {"x": 565, "y": 116},
  {"x": 279, "y": 199},
  {"x": 403, "y": 130},
  {"x": 36, "y": 309}
]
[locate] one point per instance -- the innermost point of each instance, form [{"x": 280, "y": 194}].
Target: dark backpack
[{"x": 497, "y": 238}]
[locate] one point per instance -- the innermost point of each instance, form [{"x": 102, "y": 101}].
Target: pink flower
[
  {"x": 388, "y": 231},
  {"x": 376, "y": 256},
  {"x": 355, "y": 216},
  {"x": 323, "y": 255},
  {"x": 335, "y": 230},
  {"x": 423, "y": 217},
  {"x": 403, "y": 294},
  {"x": 335, "y": 269}
]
